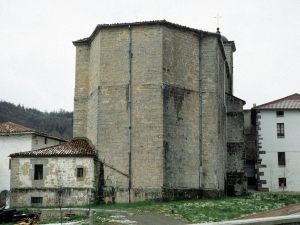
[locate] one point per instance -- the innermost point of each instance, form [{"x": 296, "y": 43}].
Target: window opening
[
  {"x": 38, "y": 172},
  {"x": 280, "y": 130},
  {"x": 280, "y": 113},
  {"x": 36, "y": 200},
  {"x": 79, "y": 172},
  {"x": 281, "y": 158},
  {"x": 282, "y": 182}
]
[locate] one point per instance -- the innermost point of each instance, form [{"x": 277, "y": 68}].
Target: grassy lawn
[
  {"x": 197, "y": 211},
  {"x": 205, "y": 210}
]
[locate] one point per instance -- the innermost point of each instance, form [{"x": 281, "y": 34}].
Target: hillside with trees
[{"x": 56, "y": 123}]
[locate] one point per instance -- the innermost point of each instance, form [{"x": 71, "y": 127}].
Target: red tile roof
[
  {"x": 289, "y": 102},
  {"x": 11, "y": 128},
  {"x": 77, "y": 147}
]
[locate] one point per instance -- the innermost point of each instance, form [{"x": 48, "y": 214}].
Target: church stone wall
[
  {"x": 213, "y": 141},
  {"x": 81, "y": 91},
  {"x": 181, "y": 109},
  {"x": 236, "y": 156},
  {"x": 147, "y": 119},
  {"x": 168, "y": 130},
  {"x": 112, "y": 118},
  {"x": 235, "y": 119}
]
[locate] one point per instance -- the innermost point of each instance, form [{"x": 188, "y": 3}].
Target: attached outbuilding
[
  {"x": 61, "y": 175},
  {"x": 15, "y": 138}
]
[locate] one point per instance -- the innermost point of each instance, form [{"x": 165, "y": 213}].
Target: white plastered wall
[
  {"x": 11, "y": 144},
  {"x": 271, "y": 144},
  {"x": 38, "y": 142}
]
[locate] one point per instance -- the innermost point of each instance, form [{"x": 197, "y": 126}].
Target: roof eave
[{"x": 87, "y": 41}]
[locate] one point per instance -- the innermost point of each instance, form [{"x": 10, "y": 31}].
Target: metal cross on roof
[{"x": 218, "y": 17}]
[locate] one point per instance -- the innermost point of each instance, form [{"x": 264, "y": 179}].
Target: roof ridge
[
  {"x": 11, "y": 127},
  {"x": 74, "y": 147},
  {"x": 291, "y": 97}
]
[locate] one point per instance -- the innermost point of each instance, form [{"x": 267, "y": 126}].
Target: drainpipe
[
  {"x": 129, "y": 117},
  {"x": 200, "y": 110},
  {"x": 224, "y": 102}
]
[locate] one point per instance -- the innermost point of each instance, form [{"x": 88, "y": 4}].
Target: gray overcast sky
[{"x": 37, "y": 57}]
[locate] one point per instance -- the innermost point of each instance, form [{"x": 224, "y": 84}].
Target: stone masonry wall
[
  {"x": 147, "y": 112},
  {"x": 51, "y": 196},
  {"x": 236, "y": 156},
  {"x": 108, "y": 109},
  {"x": 112, "y": 115},
  {"x": 235, "y": 119},
  {"x": 213, "y": 143},
  {"x": 59, "y": 174},
  {"x": 250, "y": 136},
  {"x": 165, "y": 110},
  {"x": 228, "y": 47},
  {"x": 81, "y": 91},
  {"x": 181, "y": 109}
]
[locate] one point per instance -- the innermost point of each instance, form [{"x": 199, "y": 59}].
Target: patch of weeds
[
  {"x": 65, "y": 219},
  {"x": 100, "y": 217},
  {"x": 212, "y": 210}
]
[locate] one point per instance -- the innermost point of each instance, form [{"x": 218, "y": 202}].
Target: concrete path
[{"x": 288, "y": 210}]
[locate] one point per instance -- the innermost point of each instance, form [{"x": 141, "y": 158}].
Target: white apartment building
[{"x": 278, "y": 144}]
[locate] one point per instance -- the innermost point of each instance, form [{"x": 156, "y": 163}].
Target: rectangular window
[
  {"x": 282, "y": 182},
  {"x": 280, "y": 129},
  {"x": 36, "y": 200},
  {"x": 280, "y": 113},
  {"x": 79, "y": 172},
  {"x": 38, "y": 172},
  {"x": 9, "y": 164},
  {"x": 281, "y": 158},
  {"x": 45, "y": 140}
]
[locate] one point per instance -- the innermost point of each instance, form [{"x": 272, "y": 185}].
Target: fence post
[{"x": 91, "y": 217}]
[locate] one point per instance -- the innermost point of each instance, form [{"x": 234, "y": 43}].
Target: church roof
[
  {"x": 13, "y": 128},
  {"x": 154, "y": 22},
  {"x": 289, "y": 102},
  {"x": 77, "y": 147}
]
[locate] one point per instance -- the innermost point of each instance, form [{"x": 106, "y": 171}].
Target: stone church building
[{"x": 156, "y": 100}]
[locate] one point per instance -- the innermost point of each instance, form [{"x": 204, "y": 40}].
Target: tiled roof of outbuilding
[
  {"x": 77, "y": 147},
  {"x": 289, "y": 102},
  {"x": 9, "y": 127},
  {"x": 13, "y": 128}
]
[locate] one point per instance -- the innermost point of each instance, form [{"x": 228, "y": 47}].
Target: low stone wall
[
  {"x": 51, "y": 196},
  {"x": 45, "y": 214}
]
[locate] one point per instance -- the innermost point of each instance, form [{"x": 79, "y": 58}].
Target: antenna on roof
[{"x": 218, "y": 17}]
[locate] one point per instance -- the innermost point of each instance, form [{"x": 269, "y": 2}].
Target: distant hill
[{"x": 58, "y": 124}]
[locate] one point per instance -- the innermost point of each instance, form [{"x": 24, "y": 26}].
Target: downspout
[
  {"x": 129, "y": 118},
  {"x": 224, "y": 102},
  {"x": 200, "y": 111}
]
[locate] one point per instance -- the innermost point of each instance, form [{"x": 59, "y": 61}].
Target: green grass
[
  {"x": 211, "y": 210},
  {"x": 57, "y": 220},
  {"x": 99, "y": 218},
  {"x": 197, "y": 211}
]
